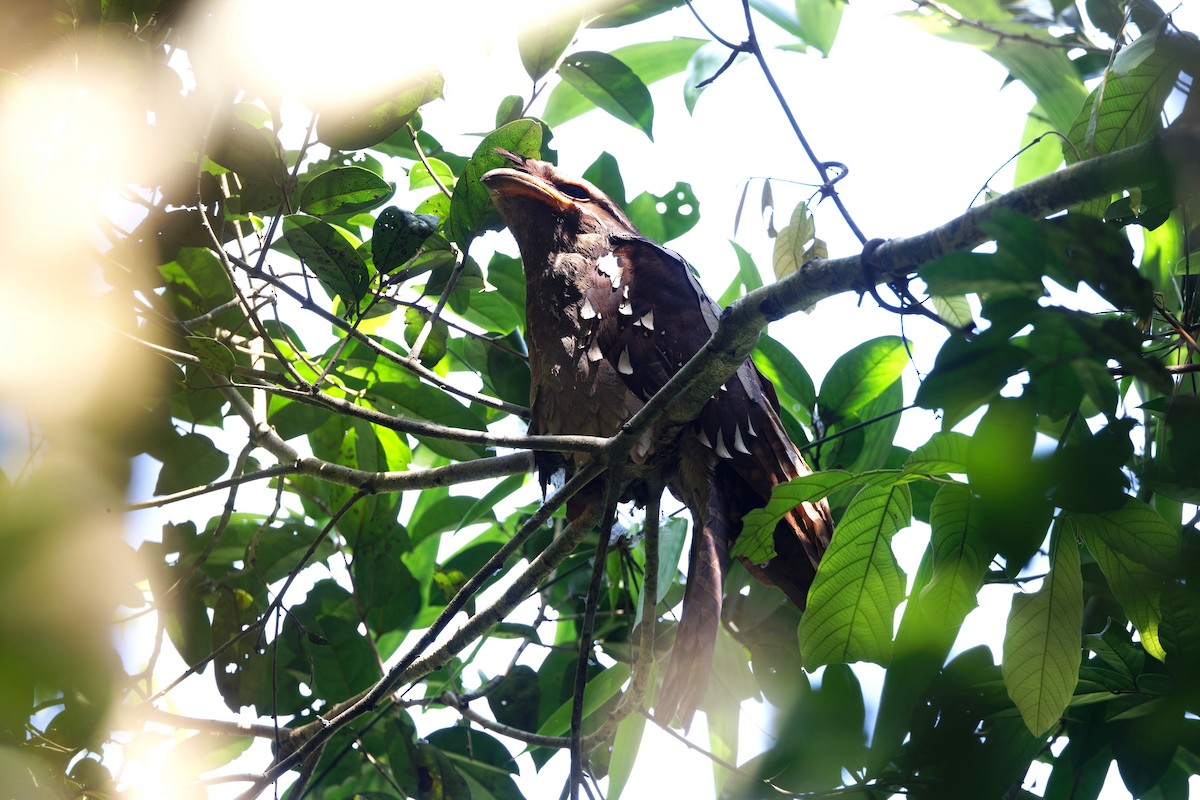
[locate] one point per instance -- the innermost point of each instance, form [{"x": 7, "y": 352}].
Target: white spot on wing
[
  {"x": 623, "y": 365},
  {"x": 703, "y": 437},
  {"x": 750, "y": 428},
  {"x": 738, "y": 443},
  {"x": 588, "y": 311},
  {"x": 594, "y": 353},
  {"x": 609, "y": 265},
  {"x": 721, "y": 449},
  {"x": 626, "y": 308},
  {"x": 648, "y": 320}
]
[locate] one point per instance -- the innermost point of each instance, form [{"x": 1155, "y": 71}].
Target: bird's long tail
[{"x": 687, "y": 674}]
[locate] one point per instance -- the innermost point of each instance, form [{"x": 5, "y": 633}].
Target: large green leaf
[
  {"x": 471, "y": 209},
  {"x": 819, "y": 21},
  {"x": 1125, "y": 108},
  {"x": 649, "y": 61},
  {"x": 343, "y": 662},
  {"x": 960, "y": 558},
  {"x": 1135, "y": 548},
  {"x": 331, "y": 257},
  {"x": 609, "y": 84},
  {"x": 358, "y": 122},
  {"x": 860, "y": 376},
  {"x": 344, "y": 190},
  {"x": 599, "y": 690},
  {"x": 1042, "y": 648},
  {"x": 946, "y": 451},
  {"x": 755, "y": 543},
  {"x": 397, "y": 235},
  {"x": 192, "y": 460},
  {"x": 542, "y": 41},
  {"x": 667, "y": 216},
  {"x": 852, "y": 602},
  {"x": 626, "y": 746}
]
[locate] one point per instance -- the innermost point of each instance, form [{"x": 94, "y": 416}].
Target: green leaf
[
  {"x": 1124, "y": 109},
  {"x": 398, "y": 235},
  {"x": 796, "y": 243},
  {"x": 344, "y": 190},
  {"x": 960, "y": 558},
  {"x": 622, "y": 14},
  {"x": 703, "y": 64},
  {"x": 204, "y": 752},
  {"x": 747, "y": 279},
  {"x": 852, "y": 602},
  {"x": 335, "y": 262},
  {"x": 196, "y": 283},
  {"x": 1134, "y": 548},
  {"x": 969, "y": 372},
  {"x": 514, "y": 700},
  {"x": 1042, "y": 649},
  {"x": 626, "y": 745},
  {"x": 667, "y": 216},
  {"x": 471, "y": 208},
  {"x": 359, "y": 122},
  {"x": 611, "y": 85},
  {"x": 326, "y": 627},
  {"x": 777, "y": 363},
  {"x": 861, "y": 375},
  {"x": 946, "y": 451},
  {"x": 1036, "y": 160},
  {"x": 421, "y": 175},
  {"x": 191, "y": 460},
  {"x": 819, "y": 21},
  {"x": 492, "y": 311},
  {"x": 954, "y": 310},
  {"x": 542, "y": 41},
  {"x": 755, "y": 543},
  {"x": 605, "y": 173},
  {"x": 784, "y": 16},
  {"x": 650, "y": 61},
  {"x": 599, "y": 690},
  {"x": 212, "y": 354}
]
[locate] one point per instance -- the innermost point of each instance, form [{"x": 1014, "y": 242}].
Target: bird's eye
[{"x": 574, "y": 191}]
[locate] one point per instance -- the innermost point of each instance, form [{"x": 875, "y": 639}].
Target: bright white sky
[{"x": 921, "y": 124}]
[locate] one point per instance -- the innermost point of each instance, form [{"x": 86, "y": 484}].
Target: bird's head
[{"x": 537, "y": 202}]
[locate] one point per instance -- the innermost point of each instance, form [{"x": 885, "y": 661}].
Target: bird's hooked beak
[
  {"x": 512, "y": 183},
  {"x": 517, "y": 181}
]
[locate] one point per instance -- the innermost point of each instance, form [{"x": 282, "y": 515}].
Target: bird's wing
[{"x": 650, "y": 316}]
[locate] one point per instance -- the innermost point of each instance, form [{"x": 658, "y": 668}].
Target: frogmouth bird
[{"x": 611, "y": 317}]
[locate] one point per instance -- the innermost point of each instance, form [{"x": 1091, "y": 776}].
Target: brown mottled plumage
[{"x": 611, "y": 316}]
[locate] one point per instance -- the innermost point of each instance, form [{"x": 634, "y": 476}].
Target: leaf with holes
[
  {"x": 667, "y": 216},
  {"x": 344, "y": 190},
  {"x": 331, "y": 257},
  {"x": 398, "y": 235}
]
